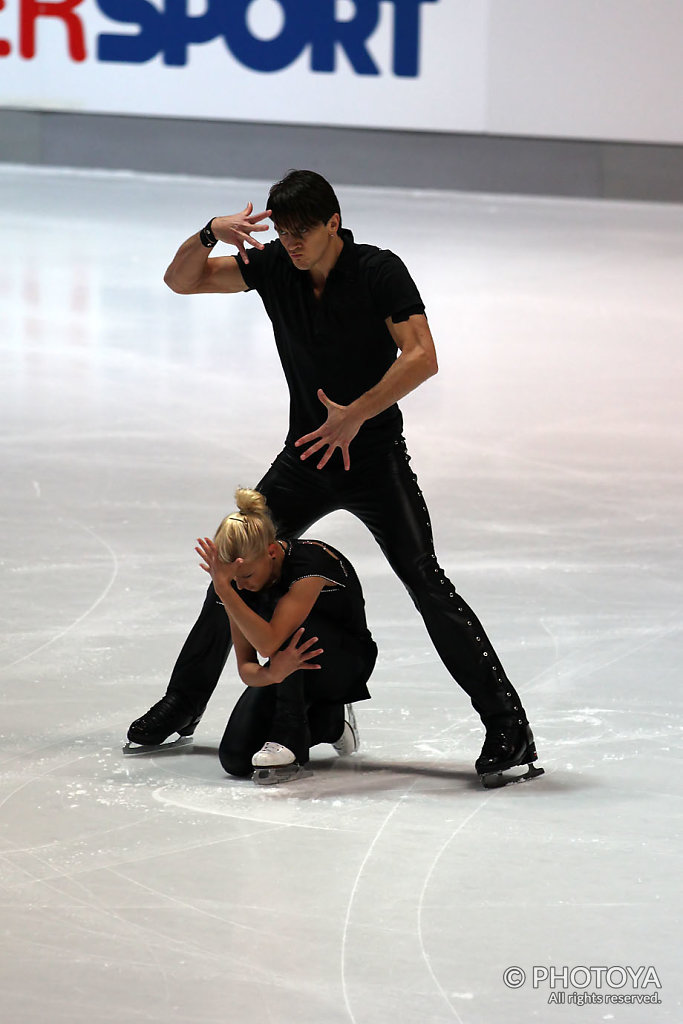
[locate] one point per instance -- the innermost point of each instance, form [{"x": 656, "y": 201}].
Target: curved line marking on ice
[
  {"x": 420, "y": 905},
  {"x": 88, "y": 611},
  {"x": 361, "y": 869}
]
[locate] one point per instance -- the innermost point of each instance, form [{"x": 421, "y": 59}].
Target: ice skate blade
[
  {"x": 274, "y": 776},
  {"x": 496, "y": 780},
  {"x": 135, "y": 749}
]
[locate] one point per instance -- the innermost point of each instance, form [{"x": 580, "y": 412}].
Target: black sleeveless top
[{"x": 341, "y": 599}]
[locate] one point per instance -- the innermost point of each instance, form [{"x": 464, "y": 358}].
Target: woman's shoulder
[{"x": 311, "y": 557}]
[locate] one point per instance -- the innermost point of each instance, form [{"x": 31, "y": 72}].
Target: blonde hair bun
[
  {"x": 249, "y": 502},
  {"x": 247, "y": 532}
]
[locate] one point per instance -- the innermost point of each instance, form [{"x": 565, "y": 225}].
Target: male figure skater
[{"x": 353, "y": 339}]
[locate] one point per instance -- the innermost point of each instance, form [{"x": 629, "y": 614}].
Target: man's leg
[
  {"x": 193, "y": 679},
  {"x": 390, "y": 503},
  {"x": 296, "y": 498}
]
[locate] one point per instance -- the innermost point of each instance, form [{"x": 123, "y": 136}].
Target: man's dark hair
[{"x": 302, "y": 199}]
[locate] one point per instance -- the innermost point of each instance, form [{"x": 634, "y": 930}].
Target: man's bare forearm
[
  {"x": 188, "y": 267},
  {"x": 406, "y": 374},
  {"x": 192, "y": 271}
]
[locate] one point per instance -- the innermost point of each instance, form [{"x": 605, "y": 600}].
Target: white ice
[{"x": 389, "y": 888}]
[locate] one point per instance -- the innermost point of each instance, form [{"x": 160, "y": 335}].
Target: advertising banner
[{"x": 526, "y": 67}]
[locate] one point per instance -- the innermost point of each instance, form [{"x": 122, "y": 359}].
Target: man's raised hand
[{"x": 236, "y": 228}]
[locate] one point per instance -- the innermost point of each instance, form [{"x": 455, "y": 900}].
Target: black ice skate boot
[
  {"x": 172, "y": 714},
  {"x": 509, "y": 745}
]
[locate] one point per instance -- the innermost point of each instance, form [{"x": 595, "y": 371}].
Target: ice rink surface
[{"x": 390, "y": 888}]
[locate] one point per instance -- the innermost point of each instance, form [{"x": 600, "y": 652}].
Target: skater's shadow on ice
[
  {"x": 360, "y": 774},
  {"x": 332, "y": 773},
  {"x": 329, "y": 766},
  {"x": 388, "y": 772}
]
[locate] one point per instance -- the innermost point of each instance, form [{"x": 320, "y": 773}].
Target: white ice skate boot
[
  {"x": 272, "y": 755},
  {"x": 275, "y": 763},
  {"x": 348, "y": 742}
]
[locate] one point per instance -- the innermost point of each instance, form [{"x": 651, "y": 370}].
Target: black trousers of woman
[
  {"x": 384, "y": 494},
  {"x": 305, "y": 708}
]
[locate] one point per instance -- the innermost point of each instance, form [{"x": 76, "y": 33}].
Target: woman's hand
[
  {"x": 293, "y": 657},
  {"x": 222, "y": 573}
]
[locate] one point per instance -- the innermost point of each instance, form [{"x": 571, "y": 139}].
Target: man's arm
[
  {"x": 415, "y": 364},
  {"x": 191, "y": 272}
]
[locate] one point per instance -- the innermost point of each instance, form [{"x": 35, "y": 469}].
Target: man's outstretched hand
[
  {"x": 338, "y": 431},
  {"x": 236, "y": 228}
]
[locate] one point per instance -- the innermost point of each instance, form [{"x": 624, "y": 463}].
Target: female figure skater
[{"x": 298, "y": 604}]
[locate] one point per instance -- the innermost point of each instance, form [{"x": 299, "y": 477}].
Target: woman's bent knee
[{"x": 236, "y": 763}]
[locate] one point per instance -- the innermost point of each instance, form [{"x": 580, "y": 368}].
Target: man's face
[{"x": 306, "y": 247}]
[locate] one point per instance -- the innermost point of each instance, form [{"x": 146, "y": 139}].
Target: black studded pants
[{"x": 384, "y": 494}]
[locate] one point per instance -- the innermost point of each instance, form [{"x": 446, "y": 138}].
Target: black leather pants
[{"x": 384, "y": 494}]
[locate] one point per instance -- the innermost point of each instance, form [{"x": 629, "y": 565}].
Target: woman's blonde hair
[{"x": 247, "y": 532}]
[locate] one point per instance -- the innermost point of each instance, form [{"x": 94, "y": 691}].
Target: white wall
[{"x": 582, "y": 69}]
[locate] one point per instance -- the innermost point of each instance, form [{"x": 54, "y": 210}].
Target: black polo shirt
[{"x": 339, "y": 342}]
